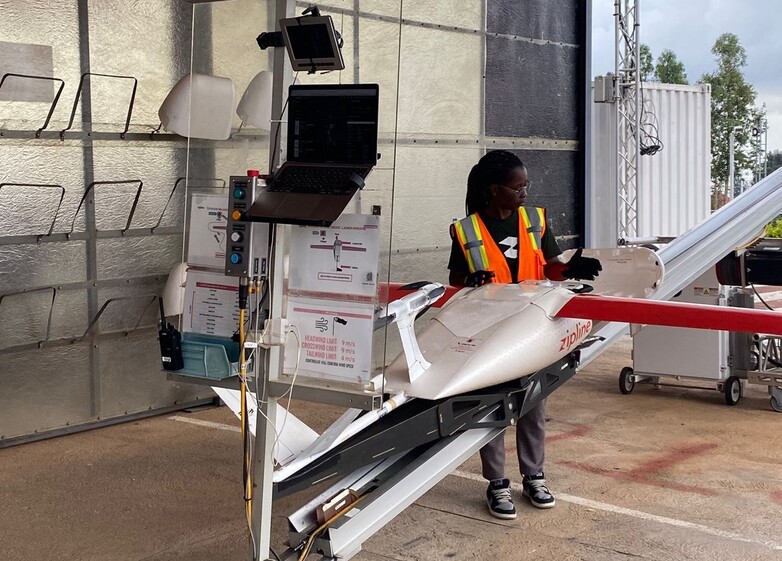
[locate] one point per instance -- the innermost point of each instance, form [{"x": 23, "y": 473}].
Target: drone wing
[{"x": 671, "y": 314}]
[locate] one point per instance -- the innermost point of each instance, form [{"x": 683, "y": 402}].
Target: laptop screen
[{"x": 333, "y": 124}]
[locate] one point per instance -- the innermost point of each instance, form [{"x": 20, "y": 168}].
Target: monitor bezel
[{"x": 335, "y": 62}]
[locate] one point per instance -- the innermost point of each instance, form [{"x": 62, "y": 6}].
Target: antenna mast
[{"x": 628, "y": 117}]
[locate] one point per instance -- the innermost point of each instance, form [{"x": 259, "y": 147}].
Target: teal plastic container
[{"x": 206, "y": 356}]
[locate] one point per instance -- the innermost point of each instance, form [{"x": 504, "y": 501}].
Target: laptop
[{"x": 332, "y": 147}]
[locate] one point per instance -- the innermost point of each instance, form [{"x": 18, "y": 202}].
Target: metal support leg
[{"x": 264, "y": 469}]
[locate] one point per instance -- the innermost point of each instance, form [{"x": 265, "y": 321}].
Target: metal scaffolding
[
  {"x": 760, "y": 145},
  {"x": 628, "y": 107}
]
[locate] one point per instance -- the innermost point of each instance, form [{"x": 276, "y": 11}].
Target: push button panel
[
  {"x": 247, "y": 249},
  {"x": 237, "y": 254}
]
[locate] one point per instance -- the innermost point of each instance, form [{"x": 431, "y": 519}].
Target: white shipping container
[{"x": 674, "y": 185}]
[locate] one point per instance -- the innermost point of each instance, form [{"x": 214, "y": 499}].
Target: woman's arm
[
  {"x": 554, "y": 268},
  {"x": 457, "y": 278}
]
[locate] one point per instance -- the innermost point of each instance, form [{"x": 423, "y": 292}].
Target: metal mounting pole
[
  {"x": 263, "y": 466},
  {"x": 731, "y": 164}
]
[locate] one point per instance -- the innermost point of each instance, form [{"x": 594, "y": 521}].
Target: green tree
[
  {"x": 732, "y": 101},
  {"x": 774, "y": 160},
  {"x": 774, "y": 229},
  {"x": 647, "y": 64},
  {"x": 669, "y": 69}
]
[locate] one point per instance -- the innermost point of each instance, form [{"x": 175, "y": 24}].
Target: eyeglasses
[{"x": 524, "y": 189}]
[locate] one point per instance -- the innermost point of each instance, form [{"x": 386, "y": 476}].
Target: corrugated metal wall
[
  {"x": 674, "y": 184},
  {"x": 455, "y": 80},
  {"x": 86, "y": 262},
  {"x": 472, "y": 77},
  {"x": 535, "y": 76}
]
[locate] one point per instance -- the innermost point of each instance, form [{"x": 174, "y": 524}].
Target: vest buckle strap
[{"x": 473, "y": 243}]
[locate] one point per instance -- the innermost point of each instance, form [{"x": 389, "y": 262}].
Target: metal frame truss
[{"x": 628, "y": 117}]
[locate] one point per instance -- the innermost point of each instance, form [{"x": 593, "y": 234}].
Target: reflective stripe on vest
[
  {"x": 531, "y": 258},
  {"x": 533, "y": 222},
  {"x": 468, "y": 231}
]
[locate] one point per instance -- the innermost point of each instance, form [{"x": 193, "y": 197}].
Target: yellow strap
[
  {"x": 460, "y": 233},
  {"x": 528, "y": 224},
  {"x": 468, "y": 231},
  {"x": 482, "y": 249}
]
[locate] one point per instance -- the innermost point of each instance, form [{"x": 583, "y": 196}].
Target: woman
[{"x": 503, "y": 241}]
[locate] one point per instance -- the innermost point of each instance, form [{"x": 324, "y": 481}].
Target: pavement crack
[
  {"x": 611, "y": 549},
  {"x": 465, "y": 516},
  {"x": 377, "y": 555}
]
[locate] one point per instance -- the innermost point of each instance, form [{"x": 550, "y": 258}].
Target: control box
[{"x": 247, "y": 243}]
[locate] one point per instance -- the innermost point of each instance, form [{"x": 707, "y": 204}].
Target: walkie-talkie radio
[{"x": 170, "y": 343}]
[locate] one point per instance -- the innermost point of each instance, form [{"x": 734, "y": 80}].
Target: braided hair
[{"x": 494, "y": 168}]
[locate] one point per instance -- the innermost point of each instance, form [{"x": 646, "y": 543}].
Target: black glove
[
  {"x": 582, "y": 268},
  {"x": 478, "y": 278}
]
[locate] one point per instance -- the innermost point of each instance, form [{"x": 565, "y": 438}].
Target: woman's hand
[
  {"x": 478, "y": 278},
  {"x": 582, "y": 268}
]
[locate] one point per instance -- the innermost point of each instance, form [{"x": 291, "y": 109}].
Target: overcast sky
[{"x": 690, "y": 27}]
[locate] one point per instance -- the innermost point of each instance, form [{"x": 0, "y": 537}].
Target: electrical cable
[
  {"x": 759, "y": 347},
  {"x": 246, "y": 456},
  {"x": 254, "y": 315},
  {"x": 289, "y": 391},
  {"x": 251, "y": 453},
  {"x": 320, "y": 529},
  {"x": 649, "y": 138},
  {"x": 755, "y": 290}
]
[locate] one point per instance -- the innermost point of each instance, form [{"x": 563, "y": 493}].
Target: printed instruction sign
[
  {"x": 336, "y": 339},
  {"x": 208, "y": 228},
  {"x": 340, "y": 260},
  {"x": 211, "y": 304}
]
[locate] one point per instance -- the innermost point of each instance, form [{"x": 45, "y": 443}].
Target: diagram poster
[
  {"x": 208, "y": 224},
  {"x": 341, "y": 259},
  {"x": 336, "y": 339},
  {"x": 211, "y": 304}
]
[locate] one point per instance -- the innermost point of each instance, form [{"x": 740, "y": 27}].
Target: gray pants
[{"x": 530, "y": 446}]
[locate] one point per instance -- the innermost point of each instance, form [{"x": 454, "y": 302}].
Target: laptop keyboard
[{"x": 314, "y": 180}]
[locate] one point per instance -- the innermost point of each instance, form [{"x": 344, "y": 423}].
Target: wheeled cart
[
  {"x": 711, "y": 359},
  {"x": 768, "y": 357}
]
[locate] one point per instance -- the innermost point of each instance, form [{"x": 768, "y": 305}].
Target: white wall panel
[
  {"x": 429, "y": 193},
  {"x": 134, "y": 257},
  {"x": 437, "y": 96},
  {"x": 378, "y": 64},
  {"x": 26, "y": 266},
  {"x": 41, "y": 22},
  {"x": 673, "y": 184},
  {"x": 468, "y": 14},
  {"x": 233, "y": 24},
  {"x": 51, "y": 394},
  {"x": 57, "y": 163}
]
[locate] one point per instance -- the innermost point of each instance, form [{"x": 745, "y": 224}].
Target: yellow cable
[
  {"x": 325, "y": 525},
  {"x": 246, "y": 459},
  {"x": 753, "y": 242},
  {"x": 243, "y": 408}
]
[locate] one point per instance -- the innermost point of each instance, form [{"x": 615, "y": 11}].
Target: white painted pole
[{"x": 731, "y": 165}]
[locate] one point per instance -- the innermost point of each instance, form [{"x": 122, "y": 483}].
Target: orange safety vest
[{"x": 483, "y": 253}]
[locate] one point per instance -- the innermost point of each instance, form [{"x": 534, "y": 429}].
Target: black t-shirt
[{"x": 505, "y": 234}]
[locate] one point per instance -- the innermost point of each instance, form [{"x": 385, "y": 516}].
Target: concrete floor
[{"x": 669, "y": 474}]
